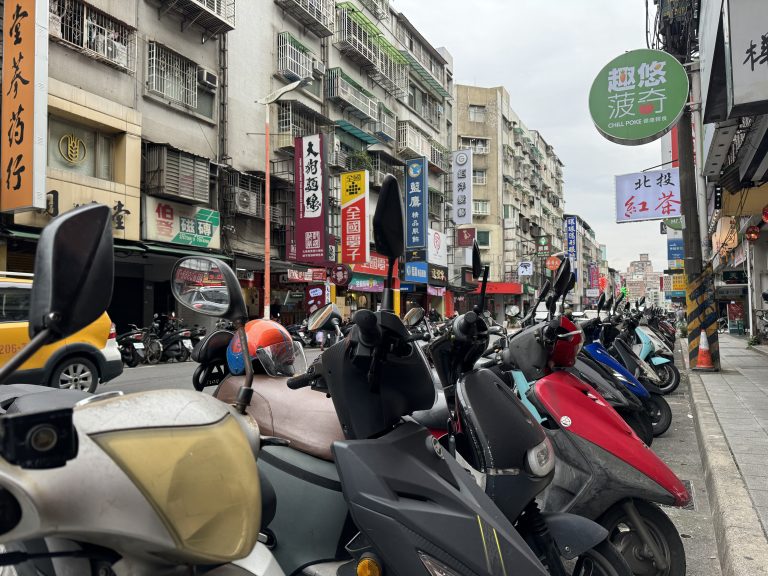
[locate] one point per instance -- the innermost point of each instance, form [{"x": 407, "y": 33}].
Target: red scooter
[{"x": 604, "y": 471}]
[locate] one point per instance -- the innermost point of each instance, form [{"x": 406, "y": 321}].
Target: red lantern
[
  {"x": 752, "y": 233},
  {"x": 765, "y": 213}
]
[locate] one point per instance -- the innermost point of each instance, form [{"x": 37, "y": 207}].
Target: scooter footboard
[{"x": 311, "y": 522}]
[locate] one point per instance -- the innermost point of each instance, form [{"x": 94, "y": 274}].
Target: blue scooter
[
  {"x": 652, "y": 349},
  {"x": 638, "y": 377}
]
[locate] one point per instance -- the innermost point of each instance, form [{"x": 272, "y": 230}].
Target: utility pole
[{"x": 701, "y": 314}]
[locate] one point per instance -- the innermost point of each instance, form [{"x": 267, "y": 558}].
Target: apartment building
[
  {"x": 133, "y": 123},
  {"x": 159, "y": 99},
  {"x": 380, "y": 95},
  {"x": 517, "y": 191}
]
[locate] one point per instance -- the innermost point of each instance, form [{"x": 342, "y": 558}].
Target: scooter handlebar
[{"x": 302, "y": 380}]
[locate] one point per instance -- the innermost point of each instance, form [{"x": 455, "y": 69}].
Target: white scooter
[{"x": 159, "y": 483}]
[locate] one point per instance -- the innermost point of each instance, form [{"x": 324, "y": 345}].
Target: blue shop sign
[
  {"x": 416, "y": 272},
  {"x": 416, "y": 203}
]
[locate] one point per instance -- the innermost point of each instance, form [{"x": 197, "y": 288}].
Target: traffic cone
[{"x": 704, "y": 359}]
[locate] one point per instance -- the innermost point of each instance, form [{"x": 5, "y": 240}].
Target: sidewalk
[{"x": 731, "y": 412}]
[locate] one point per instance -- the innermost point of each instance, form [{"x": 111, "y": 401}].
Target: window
[
  {"x": 77, "y": 25},
  {"x": 477, "y": 145},
  {"x": 509, "y": 211},
  {"x": 479, "y": 177},
  {"x": 14, "y": 302},
  {"x": 484, "y": 238},
  {"x": 80, "y": 149},
  {"x": 476, "y": 113},
  {"x": 171, "y": 75},
  {"x": 481, "y": 207}
]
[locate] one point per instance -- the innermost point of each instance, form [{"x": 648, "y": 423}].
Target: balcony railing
[
  {"x": 438, "y": 156},
  {"x": 296, "y": 119},
  {"x": 294, "y": 60},
  {"x": 411, "y": 143},
  {"x": 342, "y": 89},
  {"x": 316, "y": 15},
  {"x": 94, "y": 33},
  {"x": 386, "y": 127},
  {"x": 379, "y": 8},
  {"x": 356, "y": 37},
  {"x": 360, "y": 40},
  {"x": 213, "y": 15}
]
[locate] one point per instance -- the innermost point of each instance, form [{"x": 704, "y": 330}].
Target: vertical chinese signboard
[
  {"x": 355, "y": 246},
  {"x": 747, "y": 57},
  {"x": 24, "y": 105},
  {"x": 594, "y": 275},
  {"x": 638, "y": 96},
  {"x": 652, "y": 195},
  {"x": 415, "y": 203},
  {"x": 570, "y": 240},
  {"x": 310, "y": 231},
  {"x": 462, "y": 187}
]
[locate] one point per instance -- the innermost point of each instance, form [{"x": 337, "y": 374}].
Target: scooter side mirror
[
  {"x": 208, "y": 286},
  {"x": 325, "y": 318}
]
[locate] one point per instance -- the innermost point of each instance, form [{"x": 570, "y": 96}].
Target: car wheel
[{"x": 76, "y": 373}]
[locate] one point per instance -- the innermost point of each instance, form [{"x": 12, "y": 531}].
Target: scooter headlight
[{"x": 541, "y": 458}]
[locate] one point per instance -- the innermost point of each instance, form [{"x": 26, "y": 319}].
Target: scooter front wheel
[
  {"x": 660, "y": 412},
  {"x": 602, "y": 560},
  {"x": 628, "y": 541},
  {"x": 670, "y": 377}
]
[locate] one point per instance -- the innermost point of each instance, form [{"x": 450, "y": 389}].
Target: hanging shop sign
[
  {"x": 376, "y": 266},
  {"x": 316, "y": 297},
  {"x": 310, "y": 232},
  {"x": 747, "y": 57},
  {"x": 553, "y": 263},
  {"x": 416, "y": 203},
  {"x": 462, "y": 187},
  {"x": 542, "y": 245},
  {"x": 525, "y": 269},
  {"x": 675, "y": 249},
  {"x": 23, "y": 145},
  {"x": 602, "y": 284},
  {"x": 638, "y": 96},
  {"x": 465, "y": 237},
  {"x": 437, "y": 248},
  {"x": 438, "y": 275},
  {"x": 652, "y": 195},
  {"x": 178, "y": 223},
  {"x": 593, "y": 292},
  {"x": 594, "y": 275},
  {"x": 435, "y": 290},
  {"x": 341, "y": 274},
  {"x": 570, "y": 240},
  {"x": 355, "y": 245},
  {"x": 415, "y": 272}
]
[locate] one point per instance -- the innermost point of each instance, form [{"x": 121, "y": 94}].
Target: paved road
[
  {"x": 678, "y": 447},
  {"x": 171, "y": 375}
]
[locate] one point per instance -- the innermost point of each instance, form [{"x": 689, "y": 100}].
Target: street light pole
[{"x": 266, "y": 101}]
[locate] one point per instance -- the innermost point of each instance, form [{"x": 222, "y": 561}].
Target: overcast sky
[{"x": 547, "y": 54}]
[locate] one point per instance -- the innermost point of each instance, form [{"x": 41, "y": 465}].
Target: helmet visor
[{"x": 282, "y": 359}]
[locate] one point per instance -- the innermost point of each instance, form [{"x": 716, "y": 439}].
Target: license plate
[
  {"x": 138, "y": 345},
  {"x": 187, "y": 343}
]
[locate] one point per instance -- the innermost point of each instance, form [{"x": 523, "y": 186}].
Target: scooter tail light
[
  {"x": 112, "y": 332},
  {"x": 186, "y": 334}
]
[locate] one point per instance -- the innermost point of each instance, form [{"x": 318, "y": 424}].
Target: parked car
[
  {"x": 211, "y": 299},
  {"x": 81, "y": 361}
]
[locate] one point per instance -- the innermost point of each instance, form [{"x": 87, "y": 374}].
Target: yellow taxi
[{"x": 81, "y": 361}]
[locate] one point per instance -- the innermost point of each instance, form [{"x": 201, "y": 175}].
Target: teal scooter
[{"x": 653, "y": 350}]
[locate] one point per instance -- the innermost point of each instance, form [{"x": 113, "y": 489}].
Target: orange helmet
[{"x": 269, "y": 343}]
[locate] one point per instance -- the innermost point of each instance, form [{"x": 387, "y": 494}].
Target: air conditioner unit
[
  {"x": 207, "y": 78},
  {"x": 440, "y": 109},
  {"x": 245, "y": 202},
  {"x": 318, "y": 67}
]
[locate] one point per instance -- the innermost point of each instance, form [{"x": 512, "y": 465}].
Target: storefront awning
[
  {"x": 357, "y": 132},
  {"x": 174, "y": 251}
]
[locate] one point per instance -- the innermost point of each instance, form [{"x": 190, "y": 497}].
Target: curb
[{"x": 741, "y": 541}]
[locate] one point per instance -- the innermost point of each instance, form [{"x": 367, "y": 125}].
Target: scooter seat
[{"x": 304, "y": 417}]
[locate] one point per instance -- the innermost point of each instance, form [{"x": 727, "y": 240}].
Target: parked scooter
[
  {"x": 603, "y": 471},
  {"x": 651, "y": 348},
  {"x": 395, "y": 501},
  {"x": 603, "y": 347},
  {"x": 160, "y": 482},
  {"x": 131, "y": 346},
  {"x": 171, "y": 340}
]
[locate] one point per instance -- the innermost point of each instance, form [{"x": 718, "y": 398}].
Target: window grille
[
  {"x": 477, "y": 145},
  {"x": 294, "y": 60},
  {"x": 481, "y": 207},
  {"x": 479, "y": 177},
  {"x": 171, "y": 75},
  {"x": 78, "y": 25}
]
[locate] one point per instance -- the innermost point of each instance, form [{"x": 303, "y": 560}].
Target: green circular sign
[{"x": 638, "y": 97}]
